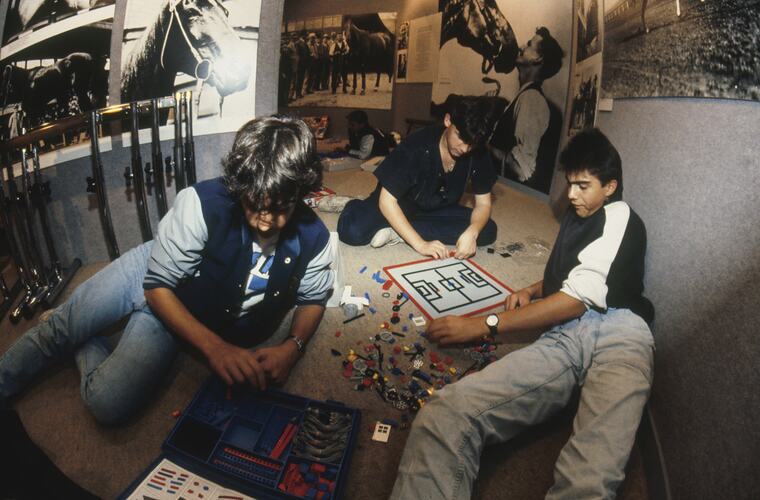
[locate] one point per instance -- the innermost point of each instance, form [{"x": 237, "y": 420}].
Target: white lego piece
[{"x": 382, "y": 432}]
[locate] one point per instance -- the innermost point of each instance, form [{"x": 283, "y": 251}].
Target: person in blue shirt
[{"x": 420, "y": 184}]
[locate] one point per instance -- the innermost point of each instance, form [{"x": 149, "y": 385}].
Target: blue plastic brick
[
  {"x": 361, "y": 271},
  {"x": 310, "y": 477}
]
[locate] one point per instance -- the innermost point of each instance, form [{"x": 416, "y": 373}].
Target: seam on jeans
[
  {"x": 649, "y": 377},
  {"x": 552, "y": 379},
  {"x": 458, "y": 476}
]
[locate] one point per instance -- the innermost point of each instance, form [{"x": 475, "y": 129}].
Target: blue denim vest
[{"x": 214, "y": 295}]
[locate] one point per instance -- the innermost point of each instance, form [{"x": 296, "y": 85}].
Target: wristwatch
[
  {"x": 299, "y": 343},
  {"x": 492, "y": 322}
]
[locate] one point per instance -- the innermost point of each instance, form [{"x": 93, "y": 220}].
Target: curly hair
[
  {"x": 474, "y": 118},
  {"x": 273, "y": 163}
]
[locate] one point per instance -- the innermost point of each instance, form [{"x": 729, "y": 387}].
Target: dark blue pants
[{"x": 361, "y": 219}]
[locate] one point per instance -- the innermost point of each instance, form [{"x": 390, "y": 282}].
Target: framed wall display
[
  {"x": 442, "y": 287},
  {"x": 55, "y": 60},
  {"x": 482, "y": 52},
  {"x": 694, "y": 48},
  {"x": 344, "y": 61},
  {"x": 207, "y": 47}
]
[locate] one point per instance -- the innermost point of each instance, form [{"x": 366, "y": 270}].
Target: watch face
[{"x": 492, "y": 320}]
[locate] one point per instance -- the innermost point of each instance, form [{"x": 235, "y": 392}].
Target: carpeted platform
[{"x": 106, "y": 460}]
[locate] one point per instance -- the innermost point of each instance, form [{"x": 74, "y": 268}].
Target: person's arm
[
  {"x": 481, "y": 212},
  {"x": 365, "y": 147},
  {"x": 313, "y": 293},
  {"x": 523, "y": 313},
  {"x": 279, "y": 360},
  {"x": 175, "y": 255},
  {"x": 531, "y": 122},
  {"x": 231, "y": 363},
  {"x": 392, "y": 212}
]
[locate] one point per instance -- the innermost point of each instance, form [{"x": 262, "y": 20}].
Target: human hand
[
  {"x": 456, "y": 330},
  {"x": 434, "y": 249},
  {"x": 518, "y": 299},
  {"x": 237, "y": 365},
  {"x": 466, "y": 244},
  {"x": 277, "y": 361}
]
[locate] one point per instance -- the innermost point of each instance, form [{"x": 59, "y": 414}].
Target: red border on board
[{"x": 422, "y": 309}]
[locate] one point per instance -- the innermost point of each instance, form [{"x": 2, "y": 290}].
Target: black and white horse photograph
[
  {"x": 348, "y": 64},
  {"x": 687, "y": 48},
  {"x": 27, "y": 15},
  {"x": 482, "y": 44},
  {"x": 584, "y": 86},
  {"x": 205, "y": 46},
  {"x": 61, "y": 70}
]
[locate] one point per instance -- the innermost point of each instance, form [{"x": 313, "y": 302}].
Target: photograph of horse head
[
  {"x": 207, "y": 46},
  {"x": 518, "y": 51},
  {"x": 339, "y": 61},
  {"x": 25, "y": 15},
  {"x": 688, "y": 48},
  {"x": 60, "y": 69}
]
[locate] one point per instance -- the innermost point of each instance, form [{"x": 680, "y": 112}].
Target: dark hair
[
  {"x": 358, "y": 116},
  {"x": 551, "y": 52},
  {"x": 590, "y": 150},
  {"x": 474, "y": 117},
  {"x": 273, "y": 163}
]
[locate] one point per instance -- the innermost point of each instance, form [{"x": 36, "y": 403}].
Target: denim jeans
[
  {"x": 609, "y": 356},
  {"x": 361, "y": 219},
  {"x": 114, "y": 384}
]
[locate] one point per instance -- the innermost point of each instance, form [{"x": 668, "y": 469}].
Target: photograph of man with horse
[
  {"x": 360, "y": 45},
  {"x": 505, "y": 36}
]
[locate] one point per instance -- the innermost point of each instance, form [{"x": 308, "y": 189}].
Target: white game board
[{"x": 449, "y": 286}]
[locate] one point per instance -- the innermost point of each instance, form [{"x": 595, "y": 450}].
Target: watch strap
[{"x": 299, "y": 343}]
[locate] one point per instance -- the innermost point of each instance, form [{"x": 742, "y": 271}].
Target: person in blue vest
[
  {"x": 596, "y": 342},
  {"x": 230, "y": 260},
  {"x": 364, "y": 140},
  {"x": 525, "y": 139}
]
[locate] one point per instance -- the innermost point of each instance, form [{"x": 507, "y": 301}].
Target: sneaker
[
  {"x": 333, "y": 203},
  {"x": 386, "y": 236}
]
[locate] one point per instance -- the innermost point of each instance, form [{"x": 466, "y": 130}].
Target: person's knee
[
  {"x": 352, "y": 226},
  {"x": 107, "y": 407},
  {"x": 488, "y": 235},
  {"x": 444, "y": 417}
]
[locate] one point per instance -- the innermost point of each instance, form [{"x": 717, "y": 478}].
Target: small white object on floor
[
  {"x": 382, "y": 432},
  {"x": 418, "y": 321},
  {"x": 346, "y": 298}
]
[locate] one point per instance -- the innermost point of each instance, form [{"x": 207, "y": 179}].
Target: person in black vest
[
  {"x": 420, "y": 183},
  {"x": 525, "y": 139},
  {"x": 596, "y": 341},
  {"x": 231, "y": 259},
  {"x": 364, "y": 140}
]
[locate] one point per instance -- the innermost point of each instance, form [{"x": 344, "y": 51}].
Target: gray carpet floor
[{"x": 105, "y": 460}]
